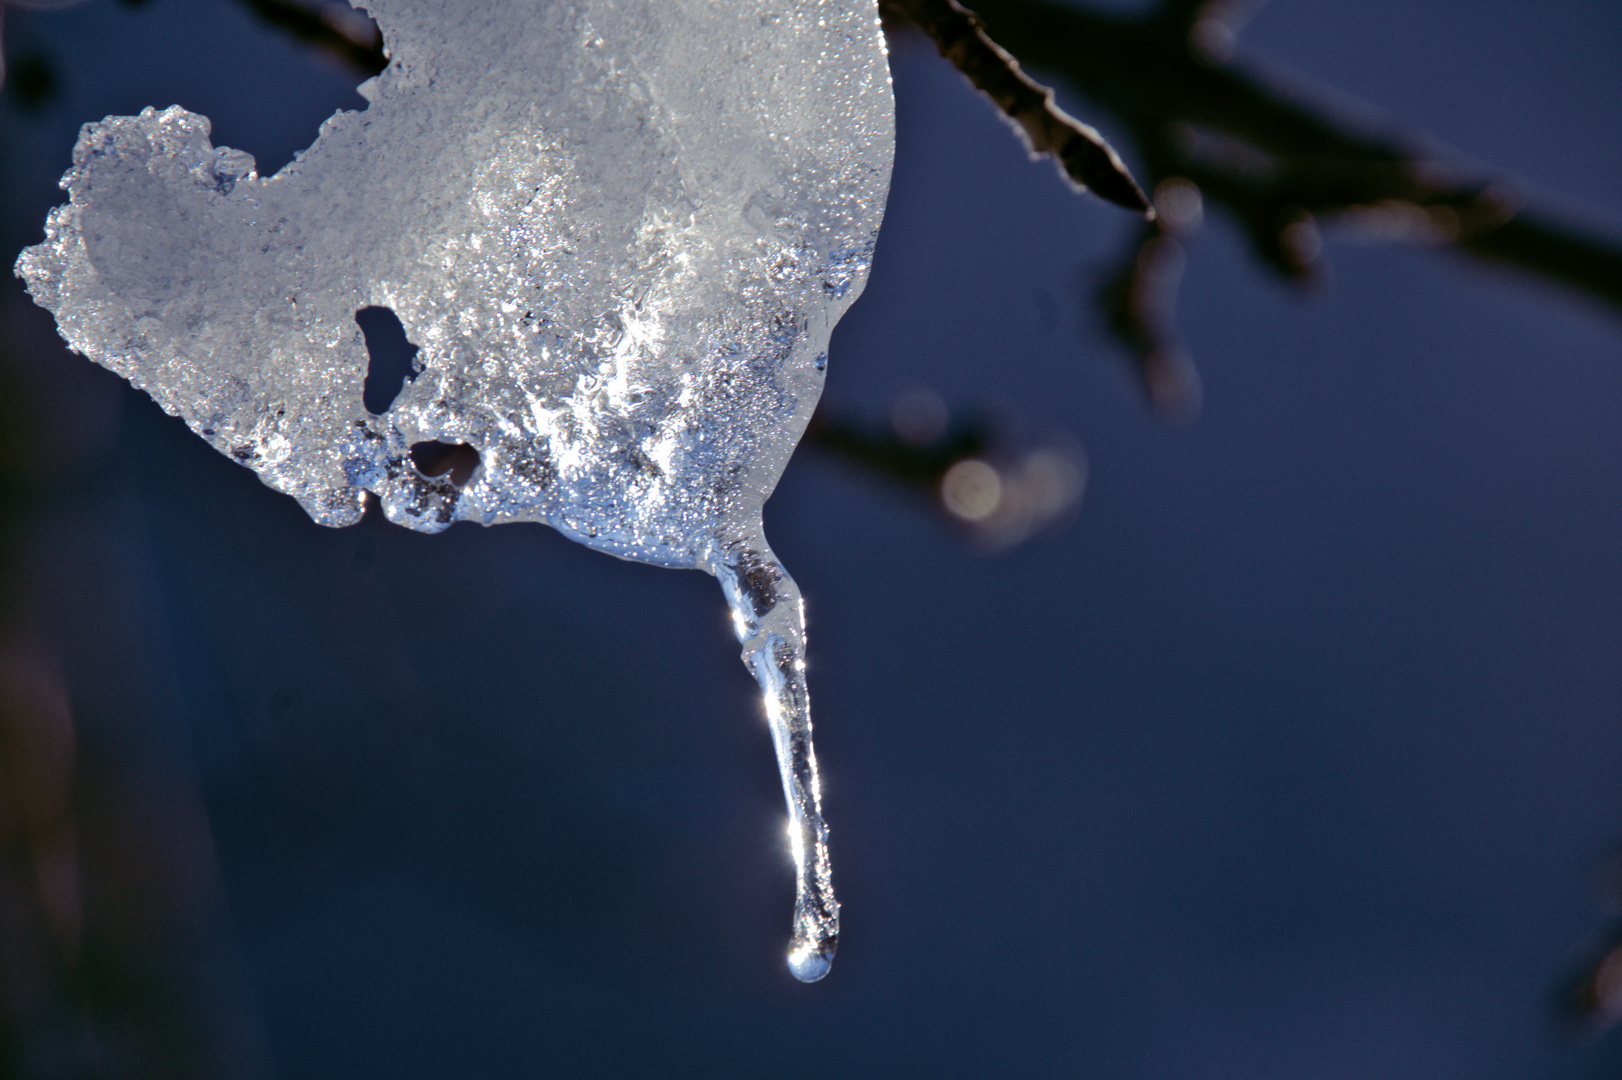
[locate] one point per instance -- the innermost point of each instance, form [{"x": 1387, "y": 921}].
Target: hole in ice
[
  {"x": 393, "y": 358},
  {"x": 438, "y": 458}
]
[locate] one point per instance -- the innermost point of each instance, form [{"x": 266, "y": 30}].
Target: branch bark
[{"x": 1083, "y": 154}]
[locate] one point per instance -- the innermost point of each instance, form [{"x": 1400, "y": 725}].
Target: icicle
[{"x": 769, "y": 618}]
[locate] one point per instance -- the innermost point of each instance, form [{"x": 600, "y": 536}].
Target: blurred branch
[
  {"x": 1590, "y": 1001},
  {"x": 1140, "y": 301},
  {"x": 331, "y": 25},
  {"x": 996, "y": 486},
  {"x": 1278, "y": 163},
  {"x": 917, "y": 458}
]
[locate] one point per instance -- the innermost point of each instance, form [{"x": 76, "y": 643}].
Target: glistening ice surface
[{"x": 619, "y": 231}]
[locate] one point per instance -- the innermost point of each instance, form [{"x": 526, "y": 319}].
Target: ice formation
[{"x": 620, "y": 232}]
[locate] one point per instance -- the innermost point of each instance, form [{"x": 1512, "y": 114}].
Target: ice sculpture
[{"x": 620, "y": 232}]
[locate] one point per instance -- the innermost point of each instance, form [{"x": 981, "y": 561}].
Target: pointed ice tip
[{"x": 809, "y": 963}]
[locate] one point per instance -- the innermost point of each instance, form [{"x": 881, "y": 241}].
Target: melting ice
[{"x": 620, "y": 232}]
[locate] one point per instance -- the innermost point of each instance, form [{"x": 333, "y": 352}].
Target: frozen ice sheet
[{"x": 620, "y": 232}]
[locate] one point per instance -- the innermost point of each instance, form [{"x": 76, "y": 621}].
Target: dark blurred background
[{"x": 1294, "y": 751}]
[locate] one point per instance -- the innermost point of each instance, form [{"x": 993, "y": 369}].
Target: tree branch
[
  {"x": 1083, "y": 154},
  {"x": 1279, "y": 164},
  {"x": 327, "y": 24}
]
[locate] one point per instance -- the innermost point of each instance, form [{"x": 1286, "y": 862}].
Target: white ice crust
[{"x": 620, "y": 231}]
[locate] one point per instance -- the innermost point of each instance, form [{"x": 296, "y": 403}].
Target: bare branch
[
  {"x": 918, "y": 464},
  {"x": 989, "y": 479},
  {"x": 1083, "y": 154},
  {"x": 1281, "y": 165},
  {"x": 328, "y": 24}
]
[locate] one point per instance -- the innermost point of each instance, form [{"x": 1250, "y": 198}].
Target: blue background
[{"x": 1295, "y": 754}]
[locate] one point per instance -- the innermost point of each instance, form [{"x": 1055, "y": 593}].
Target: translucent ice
[{"x": 620, "y": 232}]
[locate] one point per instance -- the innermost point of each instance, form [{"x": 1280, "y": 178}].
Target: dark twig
[
  {"x": 1279, "y": 164},
  {"x": 1083, "y": 154},
  {"x": 1257, "y": 147}
]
